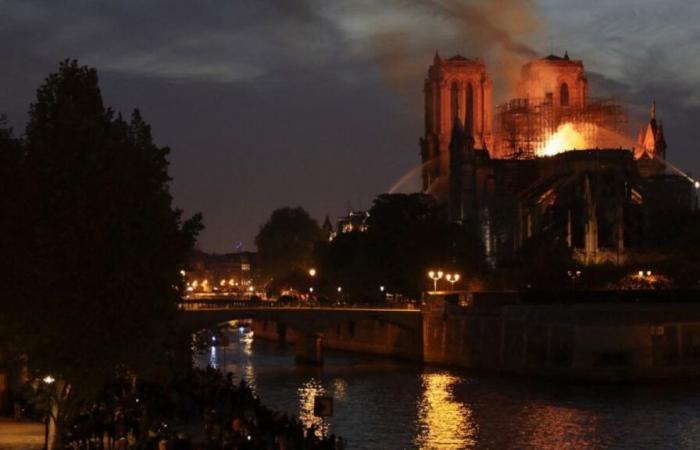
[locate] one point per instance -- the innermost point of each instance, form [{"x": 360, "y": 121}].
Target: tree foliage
[
  {"x": 407, "y": 235},
  {"x": 97, "y": 245},
  {"x": 286, "y": 242}
]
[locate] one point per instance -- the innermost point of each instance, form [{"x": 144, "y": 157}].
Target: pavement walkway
[{"x": 16, "y": 435}]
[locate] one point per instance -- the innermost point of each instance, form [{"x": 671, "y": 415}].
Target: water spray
[{"x": 693, "y": 181}]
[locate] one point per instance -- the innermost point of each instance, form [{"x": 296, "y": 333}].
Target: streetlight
[
  {"x": 573, "y": 274},
  {"x": 452, "y": 278},
  {"x": 48, "y": 380},
  {"x": 381, "y": 289},
  {"x": 435, "y": 276},
  {"x": 340, "y": 289},
  {"x": 312, "y": 272}
]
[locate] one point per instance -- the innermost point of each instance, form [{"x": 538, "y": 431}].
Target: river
[{"x": 384, "y": 404}]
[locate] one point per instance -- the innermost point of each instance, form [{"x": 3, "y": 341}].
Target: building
[
  {"x": 559, "y": 166},
  {"x": 355, "y": 221},
  {"x": 223, "y": 272},
  {"x": 455, "y": 87}
]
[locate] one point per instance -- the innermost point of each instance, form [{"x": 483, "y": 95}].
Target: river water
[{"x": 381, "y": 404}]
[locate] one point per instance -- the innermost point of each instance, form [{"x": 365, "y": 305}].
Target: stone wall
[{"x": 603, "y": 342}]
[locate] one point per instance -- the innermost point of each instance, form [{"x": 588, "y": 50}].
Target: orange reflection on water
[
  {"x": 307, "y": 392},
  {"x": 561, "y": 427},
  {"x": 443, "y": 423}
]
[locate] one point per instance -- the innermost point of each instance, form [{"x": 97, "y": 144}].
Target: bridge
[{"x": 308, "y": 324}]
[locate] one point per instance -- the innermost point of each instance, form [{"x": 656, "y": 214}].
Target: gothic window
[
  {"x": 564, "y": 95},
  {"x": 454, "y": 100},
  {"x": 469, "y": 108}
]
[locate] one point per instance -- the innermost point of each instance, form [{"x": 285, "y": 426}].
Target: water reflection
[
  {"x": 380, "y": 405},
  {"x": 213, "y": 360},
  {"x": 307, "y": 393},
  {"x": 339, "y": 388},
  {"x": 443, "y": 422}
]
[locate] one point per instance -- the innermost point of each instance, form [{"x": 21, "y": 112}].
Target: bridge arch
[{"x": 396, "y": 333}]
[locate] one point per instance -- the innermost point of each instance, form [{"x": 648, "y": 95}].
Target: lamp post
[
  {"x": 573, "y": 274},
  {"x": 48, "y": 380},
  {"x": 312, "y": 274},
  {"x": 435, "y": 276},
  {"x": 452, "y": 278}
]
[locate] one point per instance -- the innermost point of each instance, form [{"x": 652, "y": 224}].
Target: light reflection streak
[
  {"x": 339, "y": 388},
  {"x": 213, "y": 360},
  {"x": 443, "y": 422},
  {"x": 307, "y": 392}
]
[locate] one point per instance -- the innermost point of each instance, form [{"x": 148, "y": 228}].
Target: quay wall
[
  {"x": 597, "y": 342},
  {"x": 609, "y": 342}
]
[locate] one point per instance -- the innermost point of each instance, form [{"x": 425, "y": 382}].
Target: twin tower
[{"x": 459, "y": 87}]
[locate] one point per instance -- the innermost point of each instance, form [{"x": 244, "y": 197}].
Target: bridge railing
[{"x": 200, "y": 304}]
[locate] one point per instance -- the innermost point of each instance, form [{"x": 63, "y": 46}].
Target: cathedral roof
[
  {"x": 553, "y": 57},
  {"x": 459, "y": 58}
]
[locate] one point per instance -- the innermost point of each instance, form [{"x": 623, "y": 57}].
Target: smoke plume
[{"x": 495, "y": 30}]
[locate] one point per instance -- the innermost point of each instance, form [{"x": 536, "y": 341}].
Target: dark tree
[
  {"x": 96, "y": 285},
  {"x": 286, "y": 242},
  {"x": 407, "y": 235}
]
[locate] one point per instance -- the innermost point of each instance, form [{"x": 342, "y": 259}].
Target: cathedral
[{"x": 552, "y": 164}]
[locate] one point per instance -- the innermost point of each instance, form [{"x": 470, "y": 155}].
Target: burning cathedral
[{"x": 552, "y": 164}]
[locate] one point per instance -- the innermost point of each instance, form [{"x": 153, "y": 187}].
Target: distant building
[
  {"x": 355, "y": 221},
  {"x": 225, "y": 272}
]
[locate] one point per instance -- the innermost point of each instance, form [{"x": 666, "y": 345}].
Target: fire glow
[{"x": 569, "y": 136}]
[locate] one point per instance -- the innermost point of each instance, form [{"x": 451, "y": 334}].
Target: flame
[{"x": 569, "y": 136}]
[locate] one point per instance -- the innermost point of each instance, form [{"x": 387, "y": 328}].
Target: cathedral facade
[{"x": 558, "y": 167}]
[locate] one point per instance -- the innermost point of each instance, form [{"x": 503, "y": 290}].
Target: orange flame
[{"x": 569, "y": 136}]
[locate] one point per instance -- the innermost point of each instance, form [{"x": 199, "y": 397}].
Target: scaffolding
[{"x": 524, "y": 125}]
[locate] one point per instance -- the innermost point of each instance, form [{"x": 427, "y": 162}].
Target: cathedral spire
[
  {"x": 436, "y": 58},
  {"x": 653, "y": 110}
]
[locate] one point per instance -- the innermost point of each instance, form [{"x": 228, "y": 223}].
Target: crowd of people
[{"x": 202, "y": 410}]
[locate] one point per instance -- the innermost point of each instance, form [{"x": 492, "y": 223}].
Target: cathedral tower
[
  {"x": 460, "y": 88},
  {"x": 557, "y": 80}
]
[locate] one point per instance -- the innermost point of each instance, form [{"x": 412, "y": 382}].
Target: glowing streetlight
[
  {"x": 381, "y": 288},
  {"x": 697, "y": 184},
  {"x": 312, "y": 272},
  {"x": 48, "y": 379},
  {"x": 573, "y": 274},
  {"x": 340, "y": 289},
  {"x": 452, "y": 278},
  {"x": 435, "y": 276},
  {"x": 311, "y": 290}
]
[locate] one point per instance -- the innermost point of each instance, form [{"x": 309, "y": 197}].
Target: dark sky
[{"x": 317, "y": 103}]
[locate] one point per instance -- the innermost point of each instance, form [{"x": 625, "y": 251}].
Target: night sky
[{"x": 318, "y": 103}]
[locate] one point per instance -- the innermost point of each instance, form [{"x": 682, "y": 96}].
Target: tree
[
  {"x": 407, "y": 235},
  {"x": 286, "y": 242},
  {"x": 11, "y": 230},
  {"x": 96, "y": 285}
]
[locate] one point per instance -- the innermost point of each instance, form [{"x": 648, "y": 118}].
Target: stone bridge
[{"x": 309, "y": 324}]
